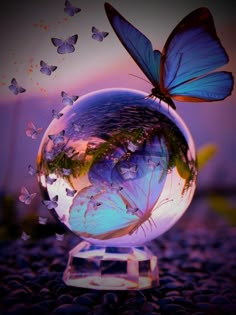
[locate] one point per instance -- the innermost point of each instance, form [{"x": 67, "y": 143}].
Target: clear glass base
[{"x": 111, "y": 268}]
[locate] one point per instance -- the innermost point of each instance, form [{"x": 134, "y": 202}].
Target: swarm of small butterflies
[{"x": 183, "y": 71}]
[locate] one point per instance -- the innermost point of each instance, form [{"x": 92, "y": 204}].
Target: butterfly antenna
[{"x": 136, "y": 76}]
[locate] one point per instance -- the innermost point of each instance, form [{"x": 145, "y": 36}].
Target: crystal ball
[{"x": 118, "y": 168}]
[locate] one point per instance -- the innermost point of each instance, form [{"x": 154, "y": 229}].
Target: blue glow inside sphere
[{"x": 118, "y": 168}]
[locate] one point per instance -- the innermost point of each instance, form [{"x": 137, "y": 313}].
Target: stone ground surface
[{"x": 197, "y": 261}]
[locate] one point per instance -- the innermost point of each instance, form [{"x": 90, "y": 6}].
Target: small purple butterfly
[
  {"x": 77, "y": 127},
  {"x": 56, "y": 115},
  {"x": 25, "y": 196},
  {"x": 65, "y": 46},
  {"x": 50, "y": 180},
  {"x": 57, "y": 139},
  {"x": 128, "y": 171},
  {"x": 66, "y": 171},
  {"x": 15, "y": 88},
  {"x": 51, "y": 204},
  {"x": 49, "y": 155},
  {"x": 97, "y": 35},
  {"x": 70, "y": 192},
  {"x": 32, "y": 171},
  {"x": 131, "y": 146},
  {"x": 32, "y": 131},
  {"x": 68, "y": 99},
  {"x": 42, "y": 220},
  {"x": 46, "y": 69},
  {"x": 25, "y": 236},
  {"x": 70, "y": 9}
]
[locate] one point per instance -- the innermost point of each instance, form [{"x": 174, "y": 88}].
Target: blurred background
[{"x": 26, "y": 31}]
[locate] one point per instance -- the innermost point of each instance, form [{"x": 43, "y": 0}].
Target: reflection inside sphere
[{"x": 122, "y": 166}]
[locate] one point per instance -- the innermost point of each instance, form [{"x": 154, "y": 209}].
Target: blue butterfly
[
  {"x": 70, "y": 9},
  {"x": 15, "y": 88},
  {"x": 25, "y": 196},
  {"x": 123, "y": 205},
  {"x": 58, "y": 138},
  {"x": 52, "y": 203},
  {"x": 65, "y": 46},
  {"x": 46, "y": 69},
  {"x": 68, "y": 99},
  {"x": 56, "y": 114},
  {"x": 182, "y": 70},
  {"x": 98, "y": 35}
]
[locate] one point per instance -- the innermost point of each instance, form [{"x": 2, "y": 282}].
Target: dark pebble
[
  {"x": 65, "y": 299},
  {"x": 172, "y": 286},
  {"x": 8, "y": 278},
  {"x": 17, "y": 309},
  {"x": 101, "y": 309},
  {"x": 60, "y": 289},
  {"x": 30, "y": 276},
  {"x": 19, "y": 293},
  {"x": 14, "y": 284},
  {"x": 165, "y": 301},
  {"x": 71, "y": 309},
  {"x": 219, "y": 299},
  {"x": 110, "y": 298},
  {"x": 191, "y": 266},
  {"x": 136, "y": 301},
  {"x": 84, "y": 300},
  {"x": 149, "y": 307},
  {"x": 229, "y": 309},
  {"x": 171, "y": 309},
  {"x": 4, "y": 290},
  {"x": 183, "y": 301},
  {"x": 172, "y": 293},
  {"x": 47, "y": 304},
  {"x": 202, "y": 298},
  {"x": 188, "y": 285},
  {"x": 166, "y": 279},
  {"x": 181, "y": 312},
  {"x": 44, "y": 291},
  {"x": 36, "y": 309},
  {"x": 203, "y": 306},
  {"x": 57, "y": 265}
]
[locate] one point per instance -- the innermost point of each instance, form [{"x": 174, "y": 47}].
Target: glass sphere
[{"x": 117, "y": 168}]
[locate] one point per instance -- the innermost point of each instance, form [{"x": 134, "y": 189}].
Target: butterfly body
[
  {"x": 163, "y": 96},
  {"x": 184, "y": 70}
]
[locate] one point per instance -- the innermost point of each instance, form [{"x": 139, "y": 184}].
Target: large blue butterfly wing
[
  {"x": 212, "y": 87},
  {"x": 192, "y": 50},
  {"x": 137, "y": 44},
  {"x": 92, "y": 205}
]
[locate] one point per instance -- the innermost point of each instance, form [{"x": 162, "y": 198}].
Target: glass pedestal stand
[{"x": 111, "y": 268}]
